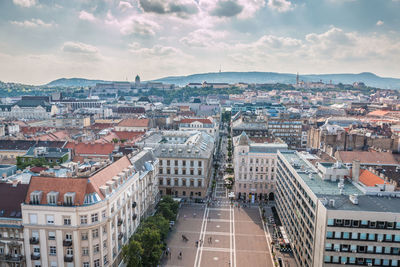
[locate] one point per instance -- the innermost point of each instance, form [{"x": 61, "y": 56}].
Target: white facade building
[
  {"x": 86, "y": 220},
  {"x": 255, "y": 168}
]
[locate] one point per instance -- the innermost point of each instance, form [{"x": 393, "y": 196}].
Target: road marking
[
  {"x": 201, "y": 232},
  {"x": 234, "y": 237},
  {"x": 202, "y": 237},
  {"x": 230, "y": 236}
]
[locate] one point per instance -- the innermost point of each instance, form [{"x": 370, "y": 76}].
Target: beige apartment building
[
  {"x": 334, "y": 217},
  {"x": 85, "y": 220},
  {"x": 255, "y": 168},
  {"x": 185, "y": 162}
]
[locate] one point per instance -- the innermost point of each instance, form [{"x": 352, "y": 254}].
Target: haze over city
[{"x": 43, "y": 40}]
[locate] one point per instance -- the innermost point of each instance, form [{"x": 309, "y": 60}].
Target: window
[
  {"x": 96, "y": 248},
  {"x": 95, "y": 217},
  {"x": 96, "y": 263},
  {"x": 160, "y": 170},
  {"x": 105, "y": 259},
  {"x": 67, "y": 220},
  {"x": 103, "y": 214},
  {"x": 52, "y": 198},
  {"x": 184, "y": 171},
  {"x": 199, "y": 163},
  {"x": 85, "y": 251},
  {"x": 68, "y": 236},
  {"x": 191, "y": 172},
  {"x": 50, "y": 219},
  {"x": 160, "y": 181},
  {"x": 176, "y": 163},
  {"x": 84, "y": 219},
  {"x": 86, "y": 264},
  {"x": 33, "y": 218},
  {"x": 346, "y": 235},
  {"x": 95, "y": 233},
  {"x": 183, "y": 162},
  {"x": 191, "y": 163},
  {"x": 52, "y": 235},
  {"x": 371, "y": 236},
  {"x": 105, "y": 244},
  {"x": 84, "y": 236},
  {"x": 329, "y": 234},
  {"x": 53, "y": 264},
  {"x": 53, "y": 251}
]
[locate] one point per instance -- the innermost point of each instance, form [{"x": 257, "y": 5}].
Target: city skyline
[{"x": 112, "y": 40}]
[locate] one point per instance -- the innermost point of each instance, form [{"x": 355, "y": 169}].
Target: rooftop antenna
[{"x": 219, "y": 68}]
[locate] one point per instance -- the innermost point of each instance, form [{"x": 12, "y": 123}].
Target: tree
[
  {"x": 165, "y": 210},
  {"x": 132, "y": 254},
  {"x": 150, "y": 240},
  {"x": 158, "y": 222}
]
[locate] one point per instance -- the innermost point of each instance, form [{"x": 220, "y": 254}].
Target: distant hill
[
  {"x": 368, "y": 78},
  {"x": 73, "y": 82}
]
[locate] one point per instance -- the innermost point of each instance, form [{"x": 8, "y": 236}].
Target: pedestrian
[
  {"x": 197, "y": 243},
  {"x": 180, "y": 255},
  {"x": 184, "y": 217}
]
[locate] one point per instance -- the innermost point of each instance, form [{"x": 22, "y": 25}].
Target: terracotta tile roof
[
  {"x": 61, "y": 185},
  {"x": 91, "y": 148},
  {"x": 370, "y": 179},
  {"x": 367, "y": 157},
  {"x": 38, "y": 169},
  {"x": 106, "y": 174},
  {"x": 134, "y": 122},
  {"x": 128, "y": 135},
  {"x": 11, "y": 198},
  {"x": 204, "y": 121},
  {"x": 378, "y": 113}
]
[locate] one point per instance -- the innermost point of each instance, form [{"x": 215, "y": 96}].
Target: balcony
[
  {"x": 11, "y": 258},
  {"x": 134, "y": 205},
  {"x": 120, "y": 236},
  {"x": 68, "y": 258},
  {"x": 34, "y": 240},
  {"x": 67, "y": 242},
  {"x": 120, "y": 221},
  {"x": 134, "y": 216},
  {"x": 35, "y": 256}
]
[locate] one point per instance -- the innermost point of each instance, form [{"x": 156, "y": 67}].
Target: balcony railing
[
  {"x": 11, "y": 258},
  {"x": 67, "y": 242},
  {"x": 68, "y": 258},
  {"x": 120, "y": 221},
  {"x": 33, "y": 240},
  {"x": 35, "y": 256}
]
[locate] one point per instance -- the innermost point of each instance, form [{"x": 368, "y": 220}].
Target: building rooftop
[
  {"x": 180, "y": 144},
  {"x": 326, "y": 190},
  {"x": 11, "y": 197}
]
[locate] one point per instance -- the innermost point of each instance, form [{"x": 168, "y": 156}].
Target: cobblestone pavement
[{"x": 230, "y": 236}]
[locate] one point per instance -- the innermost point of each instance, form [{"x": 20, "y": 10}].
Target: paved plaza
[{"x": 237, "y": 237}]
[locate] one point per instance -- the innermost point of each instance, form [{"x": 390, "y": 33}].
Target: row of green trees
[{"x": 148, "y": 243}]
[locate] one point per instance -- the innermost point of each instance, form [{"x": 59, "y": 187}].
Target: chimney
[{"x": 355, "y": 170}]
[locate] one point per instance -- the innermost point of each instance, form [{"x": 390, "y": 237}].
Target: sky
[{"x": 43, "y": 40}]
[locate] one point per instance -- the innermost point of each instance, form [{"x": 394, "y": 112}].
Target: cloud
[
  {"x": 123, "y": 5},
  {"x": 25, "y": 3},
  {"x": 181, "y": 8},
  {"x": 203, "y": 38},
  {"x": 79, "y": 48},
  {"x": 379, "y": 23},
  {"x": 138, "y": 25},
  {"x": 226, "y": 8},
  {"x": 157, "y": 50},
  {"x": 231, "y": 8},
  {"x": 33, "y": 23},
  {"x": 280, "y": 5},
  {"x": 83, "y": 15}
]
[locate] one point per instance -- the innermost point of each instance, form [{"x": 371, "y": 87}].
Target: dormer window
[
  {"x": 52, "y": 198},
  {"x": 36, "y": 196},
  {"x": 69, "y": 199}
]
